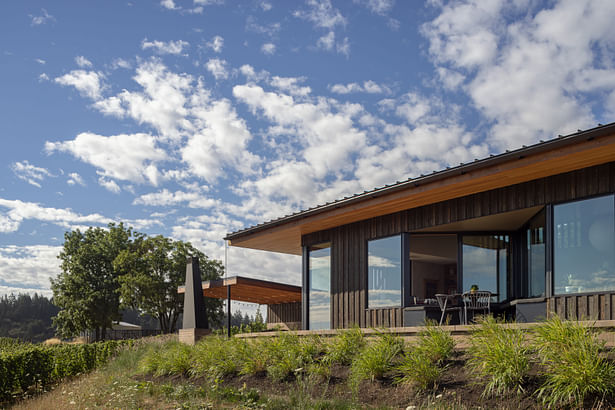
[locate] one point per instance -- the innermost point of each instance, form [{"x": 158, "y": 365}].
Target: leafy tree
[
  {"x": 87, "y": 289},
  {"x": 152, "y": 271}
]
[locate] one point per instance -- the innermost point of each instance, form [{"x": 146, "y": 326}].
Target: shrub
[
  {"x": 575, "y": 368},
  {"x": 24, "y": 367},
  {"x": 376, "y": 359},
  {"x": 499, "y": 356},
  {"x": 254, "y": 357},
  {"x": 345, "y": 346},
  {"x": 169, "y": 358},
  {"x": 424, "y": 364}
]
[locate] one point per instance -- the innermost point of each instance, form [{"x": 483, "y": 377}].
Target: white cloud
[
  {"x": 221, "y": 140},
  {"x": 33, "y": 175},
  {"x": 217, "y": 68},
  {"x": 161, "y": 104},
  {"x": 83, "y": 62},
  {"x": 526, "y": 72},
  {"x": 270, "y": 29},
  {"x": 291, "y": 85},
  {"x": 168, "y": 4},
  {"x": 265, "y": 5},
  {"x": 216, "y": 44},
  {"x": 42, "y": 19},
  {"x": 121, "y": 63},
  {"x": 88, "y": 83},
  {"x": 369, "y": 86},
  {"x": 43, "y": 77},
  {"x": 194, "y": 199},
  {"x": 75, "y": 179},
  {"x": 328, "y": 138},
  {"x": 126, "y": 157},
  {"x": 27, "y": 269},
  {"x": 40, "y": 61},
  {"x": 17, "y": 211},
  {"x": 322, "y": 14},
  {"x": 109, "y": 184},
  {"x": 268, "y": 48},
  {"x": 209, "y": 2},
  {"x": 327, "y": 41},
  {"x": 170, "y": 47},
  {"x": 381, "y": 7}
]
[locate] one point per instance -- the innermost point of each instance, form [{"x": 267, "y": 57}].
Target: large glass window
[
  {"x": 535, "y": 240},
  {"x": 584, "y": 252},
  {"x": 320, "y": 286},
  {"x": 384, "y": 274},
  {"x": 486, "y": 262}
]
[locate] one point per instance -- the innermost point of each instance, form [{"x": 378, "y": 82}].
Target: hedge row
[{"x": 33, "y": 367}]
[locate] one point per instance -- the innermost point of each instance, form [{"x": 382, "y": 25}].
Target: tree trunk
[
  {"x": 174, "y": 322},
  {"x": 103, "y": 332},
  {"x": 96, "y": 334}
]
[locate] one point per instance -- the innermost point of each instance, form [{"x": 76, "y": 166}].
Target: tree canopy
[
  {"x": 151, "y": 272},
  {"x": 106, "y": 270},
  {"x": 26, "y": 317}
]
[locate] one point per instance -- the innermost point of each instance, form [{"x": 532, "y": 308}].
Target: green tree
[
  {"x": 151, "y": 273},
  {"x": 87, "y": 289}
]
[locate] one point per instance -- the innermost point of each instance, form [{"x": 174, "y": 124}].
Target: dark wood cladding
[
  {"x": 349, "y": 242},
  {"x": 391, "y": 317},
  {"x": 284, "y": 313},
  {"x": 598, "y": 306}
]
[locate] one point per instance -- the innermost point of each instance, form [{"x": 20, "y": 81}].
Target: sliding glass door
[{"x": 486, "y": 263}]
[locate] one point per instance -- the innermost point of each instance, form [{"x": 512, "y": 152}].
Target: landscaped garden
[{"x": 556, "y": 364}]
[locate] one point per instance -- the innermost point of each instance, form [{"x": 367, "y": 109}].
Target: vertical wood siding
[
  {"x": 598, "y": 306},
  {"x": 349, "y": 242},
  {"x": 284, "y": 313}
]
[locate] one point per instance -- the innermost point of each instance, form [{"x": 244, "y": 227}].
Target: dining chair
[
  {"x": 479, "y": 300},
  {"x": 447, "y": 304}
]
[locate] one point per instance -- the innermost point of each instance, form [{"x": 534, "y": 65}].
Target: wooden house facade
[{"x": 534, "y": 226}]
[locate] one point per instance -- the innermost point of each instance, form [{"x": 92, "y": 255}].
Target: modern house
[{"x": 535, "y": 226}]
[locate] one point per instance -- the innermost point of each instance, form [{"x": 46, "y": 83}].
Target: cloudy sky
[{"x": 194, "y": 118}]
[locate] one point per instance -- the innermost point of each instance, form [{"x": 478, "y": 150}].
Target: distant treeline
[{"x": 27, "y": 317}]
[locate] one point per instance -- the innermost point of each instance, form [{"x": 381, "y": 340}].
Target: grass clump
[
  {"x": 424, "y": 363},
  {"x": 168, "y": 358},
  {"x": 499, "y": 355},
  {"x": 345, "y": 346},
  {"x": 576, "y": 370},
  {"x": 288, "y": 354},
  {"x": 216, "y": 357},
  {"x": 376, "y": 359}
]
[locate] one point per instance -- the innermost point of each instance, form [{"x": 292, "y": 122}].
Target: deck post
[{"x": 194, "y": 325}]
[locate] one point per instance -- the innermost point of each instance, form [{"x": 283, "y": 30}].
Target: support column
[
  {"x": 228, "y": 311},
  {"x": 194, "y": 325}
]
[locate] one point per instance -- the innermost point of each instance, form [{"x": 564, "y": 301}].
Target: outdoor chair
[
  {"x": 449, "y": 303},
  {"x": 476, "y": 301}
]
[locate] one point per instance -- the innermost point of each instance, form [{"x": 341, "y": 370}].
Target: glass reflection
[
  {"x": 583, "y": 253},
  {"x": 536, "y": 256},
  {"x": 486, "y": 263},
  {"x": 384, "y": 272},
  {"x": 320, "y": 287}
]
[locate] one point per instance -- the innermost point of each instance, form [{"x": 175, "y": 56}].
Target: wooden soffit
[
  {"x": 542, "y": 160},
  {"x": 250, "y": 290}
]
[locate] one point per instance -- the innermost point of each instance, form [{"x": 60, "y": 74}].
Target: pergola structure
[{"x": 249, "y": 290}]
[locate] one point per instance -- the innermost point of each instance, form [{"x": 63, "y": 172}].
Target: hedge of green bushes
[{"x": 26, "y": 367}]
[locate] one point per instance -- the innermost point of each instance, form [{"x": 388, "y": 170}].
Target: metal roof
[{"x": 542, "y": 146}]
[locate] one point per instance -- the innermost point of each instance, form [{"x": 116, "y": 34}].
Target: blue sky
[{"x": 194, "y": 118}]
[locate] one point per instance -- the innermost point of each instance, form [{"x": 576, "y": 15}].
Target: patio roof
[
  {"x": 546, "y": 158},
  {"x": 250, "y": 290}
]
